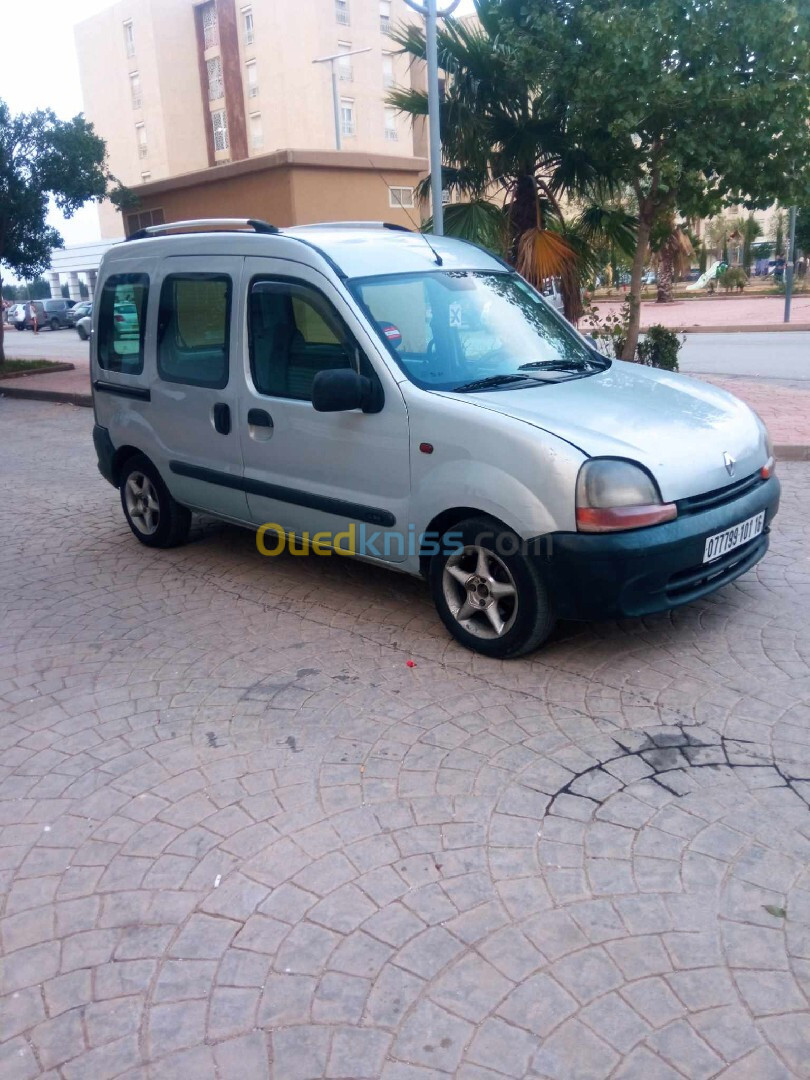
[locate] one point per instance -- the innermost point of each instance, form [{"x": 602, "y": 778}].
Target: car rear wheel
[
  {"x": 154, "y": 516},
  {"x": 20, "y": 327},
  {"x": 488, "y": 592},
  {"x": 54, "y": 324}
]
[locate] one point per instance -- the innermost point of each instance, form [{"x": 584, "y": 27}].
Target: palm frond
[{"x": 480, "y": 222}]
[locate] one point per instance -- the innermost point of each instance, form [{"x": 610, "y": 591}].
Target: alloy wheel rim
[
  {"x": 480, "y": 592},
  {"x": 142, "y": 502}
]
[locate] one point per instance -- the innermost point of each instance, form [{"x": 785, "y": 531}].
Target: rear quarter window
[{"x": 122, "y": 323}]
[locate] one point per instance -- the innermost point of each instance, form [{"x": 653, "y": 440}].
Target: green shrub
[
  {"x": 733, "y": 278},
  {"x": 659, "y": 348}
]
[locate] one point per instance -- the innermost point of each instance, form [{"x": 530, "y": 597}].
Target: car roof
[{"x": 356, "y": 249}]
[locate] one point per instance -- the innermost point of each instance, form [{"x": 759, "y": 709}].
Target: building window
[
  {"x": 144, "y": 219},
  {"x": 140, "y": 133},
  {"x": 252, "y": 79},
  {"x": 347, "y": 116},
  {"x": 135, "y": 89},
  {"x": 391, "y": 124},
  {"x": 129, "y": 38},
  {"x": 385, "y": 16},
  {"x": 247, "y": 25},
  {"x": 146, "y": 177},
  {"x": 216, "y": 88},
  {"x": 256, "y": 133},
  {"x": 345, "y": 62},
  {"x": 210, "y": 25},
  {"x": 342, "y": 12},
  {"x": 387, "y": 69},
  {"x": 219, "y": 123},
  {"x": 400, "y": 197}
]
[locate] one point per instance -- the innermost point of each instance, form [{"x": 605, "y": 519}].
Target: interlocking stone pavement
[{"x": 239, "y": 837}]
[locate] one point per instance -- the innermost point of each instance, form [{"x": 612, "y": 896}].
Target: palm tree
[
  {"x": 506, "y": 141},
  {"x": 672, "y": 254},
  {"x": 749, "y": 229}
]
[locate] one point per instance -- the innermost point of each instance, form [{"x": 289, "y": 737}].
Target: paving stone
[
  {"x": 587, "y": 974},
  {"x": 246, "y": 1056},
  {"x": 612, "y": 1019},
  {"x": 680, "y": 1045},
  {"x": 433, "y": 1038},
  {"x": 300, "y": 1053},
  {"x": 471, "y": 988},
  {"x": 539, "y": 1004},
  {"x": 573, "y": 1052},
  {"x": 358, "y": 1052}
]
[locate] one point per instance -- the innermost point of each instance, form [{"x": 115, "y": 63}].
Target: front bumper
[{"x": 609, "y": 575}]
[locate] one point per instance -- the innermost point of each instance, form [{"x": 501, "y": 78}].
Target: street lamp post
[
  {"x": 431, "y": 14},
  {"x": 333, "y": 60},
  {"x": 790, "y": 262}
]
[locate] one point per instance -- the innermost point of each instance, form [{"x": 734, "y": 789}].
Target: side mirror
[{"x": 341, "y": 390}]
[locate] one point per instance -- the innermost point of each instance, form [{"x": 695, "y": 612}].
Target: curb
[
  {"x": 62, "y": 396},
  {"x": 791, "y": 452},
  {"x": 755, "y": 328}
]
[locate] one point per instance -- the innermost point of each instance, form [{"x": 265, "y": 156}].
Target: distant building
[{"x": 179, "y": 86}]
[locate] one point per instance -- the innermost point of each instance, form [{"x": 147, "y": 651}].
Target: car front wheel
[
  {"x": 154, "y": 516},
  {"x": 488, "y": 591},
  {"x": 54, "y": 324},
  {"x": 81, "y": 332}
]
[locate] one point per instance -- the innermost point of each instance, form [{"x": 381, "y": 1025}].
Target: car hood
[{"x": 680, "y": 429}]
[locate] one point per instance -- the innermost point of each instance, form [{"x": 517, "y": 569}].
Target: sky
[{"x": 46, "y": 75}]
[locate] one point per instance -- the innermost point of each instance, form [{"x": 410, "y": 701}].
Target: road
[
  {"x": 782, "y": 356},
  {"x": 241, "y": 837},
  {"x": 50, "y": 344}
]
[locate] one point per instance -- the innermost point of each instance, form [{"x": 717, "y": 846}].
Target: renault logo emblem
[{"x": 729, "y": 462}]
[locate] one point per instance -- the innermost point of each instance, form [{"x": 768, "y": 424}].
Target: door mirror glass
[{"x": 340, "y": 391}]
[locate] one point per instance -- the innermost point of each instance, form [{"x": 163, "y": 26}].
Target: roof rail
[
  {"x": 350, "y": 225},
  {"x": 224, "y": 224}
]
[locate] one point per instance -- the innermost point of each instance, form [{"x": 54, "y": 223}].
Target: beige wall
[
  {"x": 292, "y": 188},
  {"x": 294, "y": 96}
]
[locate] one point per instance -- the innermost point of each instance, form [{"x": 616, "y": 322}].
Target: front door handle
[
  {"x": 260, "y": 425},
  {"x": 259, "y": 418},
  {"x": 222, "y": 418}
]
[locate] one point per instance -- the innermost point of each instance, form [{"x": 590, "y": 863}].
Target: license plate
[{"x": 722, "y": 543}]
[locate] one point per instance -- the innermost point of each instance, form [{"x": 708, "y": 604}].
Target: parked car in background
[
  {"x": 78, "y": 311},
  {"x": 84, "y": 327},
  {"x": 51, "y": 313},
  {"x": 551, "y": 292},
  {"x": 16, "y": 316}
]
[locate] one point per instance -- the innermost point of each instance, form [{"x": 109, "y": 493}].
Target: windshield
[{"x": 469, "y": 330}]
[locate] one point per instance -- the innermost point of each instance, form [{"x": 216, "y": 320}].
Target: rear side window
[
  {"x": 122, "y": 322},
  {"x": 194, "y": 329}
]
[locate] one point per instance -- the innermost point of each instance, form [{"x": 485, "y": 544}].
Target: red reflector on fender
[
  {"x": 615, "y": 518},
  {"x": 426, "y": 447}
]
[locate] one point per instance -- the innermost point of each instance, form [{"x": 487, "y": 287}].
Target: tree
[
  {"x": 43, "y": 158},
  {"x": 506, "y": 141},
  {"x": 705, "y": 101},
  {"x": 672, "y": 254}
]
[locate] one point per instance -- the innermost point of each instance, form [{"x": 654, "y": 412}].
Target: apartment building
[{"x": 178, "y": 86}]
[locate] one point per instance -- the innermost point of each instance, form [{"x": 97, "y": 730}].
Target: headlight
[
  {"x": 770, "y": 462},
  {"x": 613, "y": 494}
]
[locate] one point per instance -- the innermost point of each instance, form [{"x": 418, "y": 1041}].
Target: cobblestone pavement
[{"x": 241, "y": 838}]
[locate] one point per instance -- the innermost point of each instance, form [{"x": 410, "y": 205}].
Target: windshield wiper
[
  {"x": 492, "y": 380},
  {"x": 560, "y": 365}
]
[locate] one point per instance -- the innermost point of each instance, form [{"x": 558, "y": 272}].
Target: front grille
[
  {"x": 688, "y": 584},
  {"x": 710, "y": 499}
]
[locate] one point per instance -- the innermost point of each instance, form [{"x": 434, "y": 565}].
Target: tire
[
  {"x": 81, "y": 332},
  {"x": 20, "y": 327},
  {"x": 155, "y": 517},
  {"x": 54, "y": 324},
  {"x": 509, "y": 623}
]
